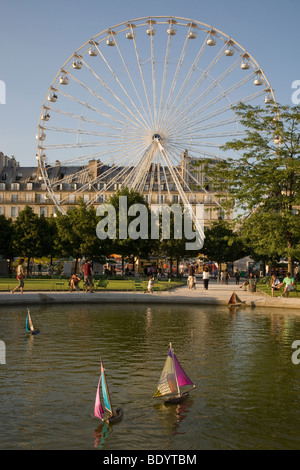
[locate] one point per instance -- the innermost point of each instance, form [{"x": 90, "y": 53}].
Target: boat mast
[
  {"x": 174, "y": 368},
  {"x": 106, "y": 386}
]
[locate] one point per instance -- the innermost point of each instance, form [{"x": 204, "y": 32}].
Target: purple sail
[{"x": 182, "y": 377}]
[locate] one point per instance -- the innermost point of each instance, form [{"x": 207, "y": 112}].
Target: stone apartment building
[{"x": 22, "y": 186}]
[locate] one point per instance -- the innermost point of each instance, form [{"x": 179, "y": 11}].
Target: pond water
[{"x": 247, "y": 394}]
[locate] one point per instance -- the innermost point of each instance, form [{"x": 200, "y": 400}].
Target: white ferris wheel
[{"x": 135, "y": 99}]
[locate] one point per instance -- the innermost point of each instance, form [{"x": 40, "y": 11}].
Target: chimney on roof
[{"x": 93, "y": 167}]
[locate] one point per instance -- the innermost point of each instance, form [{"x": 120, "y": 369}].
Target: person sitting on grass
[
  {"x": 289, "y": 283},
  {"x": 275, "y": 284},
  {"x": 74, "y": 281}
]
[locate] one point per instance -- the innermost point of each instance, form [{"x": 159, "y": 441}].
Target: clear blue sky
[{"x": 38, "y": 37}]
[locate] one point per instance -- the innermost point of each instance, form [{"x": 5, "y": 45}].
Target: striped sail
[
  {"x": 29, "y": 324},
  {"x": 98, "y": 409},
  {"x": 172, "y": 374},
  {"x": 102, "y": 388}
]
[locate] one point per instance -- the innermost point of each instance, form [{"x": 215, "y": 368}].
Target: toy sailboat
[
  {"x": 105, "y": 412},
  {"x": 172, "y": 378},
  {"x": 29, "y": 325},
  {"x": 234, "y": 300}
]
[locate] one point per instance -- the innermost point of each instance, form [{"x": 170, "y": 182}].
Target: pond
[{"x": 247, "y": 386}]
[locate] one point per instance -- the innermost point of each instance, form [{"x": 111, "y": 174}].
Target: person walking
[
  {"x": 226, "y": 276},
  {"x": 20, "y": 277},
  {"x": 191, "y": 277},
  {"x": 237, "y": 276},
  {"x": 150, "y": 285},
  {"x": 206, "y": 277},
  {"x": 88, "y": 276}
]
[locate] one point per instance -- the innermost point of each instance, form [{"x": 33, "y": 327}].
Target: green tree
[
  {"x": 28, "y": 235},
  {"x": 76, "y": 234},
  {"x": 128, "y": 247},
  {"x": 264, "y": 183},
  {"x": 222, "y": 244},
  {"x": 6, "y": 239},
  {"x": 175, "y": 249}
]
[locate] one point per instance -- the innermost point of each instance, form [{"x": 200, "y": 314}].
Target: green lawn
[
  {"x": 264, "y": 286},
  {"x": 48, "y": 285}
]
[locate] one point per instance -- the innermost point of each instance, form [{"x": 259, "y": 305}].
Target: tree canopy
[{"x": 264, "y": 181}]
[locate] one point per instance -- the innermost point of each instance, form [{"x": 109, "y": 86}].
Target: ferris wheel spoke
[
  {"x": 112, "y": 174},
  {"x": 164, "y": 80},
  {"x": 143, "y": 81},
  {"x": 116, "y": 97},
  {"x": 175, "y": 78},
  {"x": 219, "y": 111},
  {"x": 107, "y": 103},
  {"x": 181, "y": 192},
  {"x": 122, "y": 87},
  {"x": 113, "y": 118},
  {"x": 153, "y": 81},
  {"x": 80, "y": 132},
  {"x": 209, "y": 136},
  {"x": 213, "y": 86},
  {"x": 78, "y": 117},
  {"x": 202, "y": 77},
  {"x": 165, "y": 178},
  {"x": 192, "y": 177},
  {"x": 147, "y": 123},
  {"x": 189, "y": 75},
  {"x": 222, "y": 95}
]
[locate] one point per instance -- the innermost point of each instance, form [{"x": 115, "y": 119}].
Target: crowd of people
[{"x": 287, "y": 283}]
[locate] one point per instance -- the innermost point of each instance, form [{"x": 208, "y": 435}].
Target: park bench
[
  {"x": 58, "y": 285},
  {"x": 102, "y": 284}
]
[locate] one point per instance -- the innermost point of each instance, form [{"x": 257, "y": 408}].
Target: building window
[
  {"x": 14, "y": 212},
  {"x": 14, "y": 198},
  {"x": 44, "y": 211},
  {"x": 28, "y": 197},
  {"x": 2, "y": 211},
  {"x": 15, "y": 186},
  {"x": 100, "y": 198},
  {"x": 161, "y": 199},
  {"x": 86, "y": 197}
]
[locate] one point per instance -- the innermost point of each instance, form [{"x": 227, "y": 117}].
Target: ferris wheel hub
[{"x": 156, "y": 138}]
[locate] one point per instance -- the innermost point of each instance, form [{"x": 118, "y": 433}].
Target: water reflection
[
  {"x": 240, "y": 361},
  {"x": 171, "y": 415},
  {"x": 101, "y": 434}
]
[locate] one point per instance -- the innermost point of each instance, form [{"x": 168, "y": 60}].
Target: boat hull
[
  {"x": 33, "y": 332},
  {"x": 117, "y": 416},
  {"x": 178, "y": 399}
]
